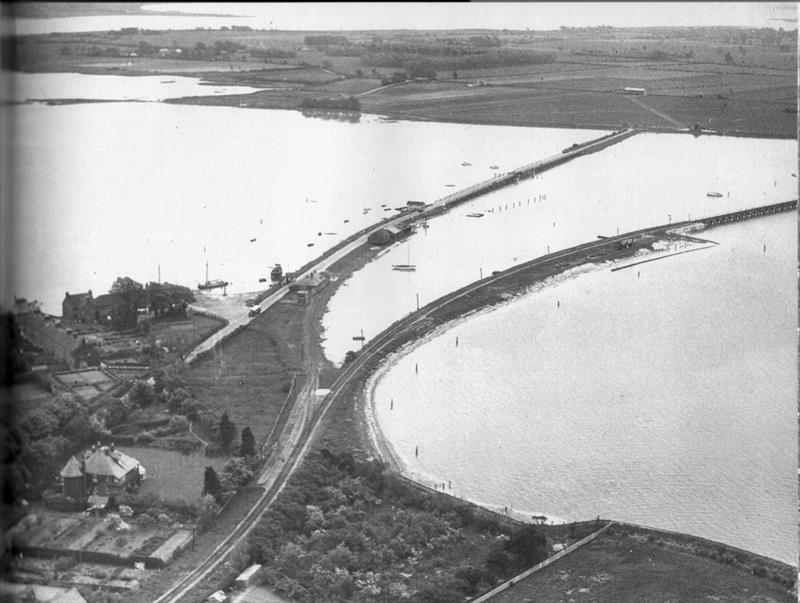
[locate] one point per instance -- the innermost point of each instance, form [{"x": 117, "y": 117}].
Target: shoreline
[
  {"x": 671, "y": 240},
  {"x": 285, "y": 96}
]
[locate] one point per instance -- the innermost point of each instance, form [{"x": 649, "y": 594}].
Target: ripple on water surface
[{"x": 663, "y": 394}]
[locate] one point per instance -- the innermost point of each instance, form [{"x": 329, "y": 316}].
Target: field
[
  {"x": 250, "y": 378},
  {"x": 731, "y": 80},
  {"x": 173, "y": 476},
  {"x": 619, "y": 567}
]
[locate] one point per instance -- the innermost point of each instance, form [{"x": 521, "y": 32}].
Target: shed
[{"x": 247, "y": 576}]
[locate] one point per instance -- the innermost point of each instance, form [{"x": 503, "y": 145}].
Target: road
[{"x": 238, "y": 320}]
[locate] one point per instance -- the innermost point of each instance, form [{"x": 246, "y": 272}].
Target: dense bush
[{"x": 346, "y": 529}]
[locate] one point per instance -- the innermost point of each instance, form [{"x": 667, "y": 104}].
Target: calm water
[
  {"x": 103, "y": 190},
  {"x": 45, "y": 86},
  {"x": 646, "y": 180},
  {"x": 663, "y": 394}
]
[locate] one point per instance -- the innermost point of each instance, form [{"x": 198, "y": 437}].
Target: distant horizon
[
  {"x": 538, "y": 16},
  {"x": 517, "y": 16}
]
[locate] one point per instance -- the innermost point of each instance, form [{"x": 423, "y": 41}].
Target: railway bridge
[{"x": 753, "y": 212}]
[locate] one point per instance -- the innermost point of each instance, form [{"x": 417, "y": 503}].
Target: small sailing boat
[{"x": 409, "y": 267}]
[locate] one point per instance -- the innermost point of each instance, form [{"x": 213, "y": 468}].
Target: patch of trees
[
  {"x": 326, "y": 40},
  {"x": 220, "y": 50},
  {"x": 349, "y": 103},
  {"x": 344, "y": 51},
  {"x": 272, "y": 53},
  {"x": 499, "y": 58},
  {"x": 346, "y": 529},
  {"x": 166, "y": 299},
  {"x": 39, "y": 443},
  {"x": 13, "y": 362}
]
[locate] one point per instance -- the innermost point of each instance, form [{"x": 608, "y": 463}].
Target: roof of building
[
  {"x": 95, "y": 501},
  {"x": 52, "y": 594},
  {"x": 79, "y": 297},
  {"x": 72, "y": 468},
  {"x": 109, "y": 462}
]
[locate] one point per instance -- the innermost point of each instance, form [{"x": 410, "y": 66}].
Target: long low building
[{"x": 389, "y": 234}]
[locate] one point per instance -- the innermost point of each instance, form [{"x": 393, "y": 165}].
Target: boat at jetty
[
  {"x": 215, "y": 284},
  {"x": 715, "y": 195}
]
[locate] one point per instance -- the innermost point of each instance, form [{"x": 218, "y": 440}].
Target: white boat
[{"x": 405, "y": 267}]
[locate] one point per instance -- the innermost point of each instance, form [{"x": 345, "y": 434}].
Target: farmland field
[{"x": 623, "y": 568}]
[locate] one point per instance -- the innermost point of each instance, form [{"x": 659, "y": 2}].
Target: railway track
[{"x": 381, "y": 343}]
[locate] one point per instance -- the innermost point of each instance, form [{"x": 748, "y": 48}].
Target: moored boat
[{"x": 214, "y": 284}]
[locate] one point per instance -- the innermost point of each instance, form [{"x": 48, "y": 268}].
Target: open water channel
[
  {"x": 662, "y": 394},
  {"x": 112, "y": 189}
]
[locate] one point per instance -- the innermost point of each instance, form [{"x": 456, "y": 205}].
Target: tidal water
[
  {"x": 24, "y": 87},
  {"x": 663, "y": 394},
  {"x": 112, "y": 189},
  {"x": 646, "y": 180}
]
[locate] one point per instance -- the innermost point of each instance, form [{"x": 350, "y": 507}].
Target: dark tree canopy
[
  {"x": 226, "y": 432},
  {"x": 248, "y": 447},
  {"x": 211, "y": 483},
  {"x": 168, "y": 299}
]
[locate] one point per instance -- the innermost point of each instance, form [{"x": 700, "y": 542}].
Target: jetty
[{"x": 529, "y": 170}]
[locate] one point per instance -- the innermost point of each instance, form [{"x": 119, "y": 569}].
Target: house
[
  {"x": 65, "y": 346},
  {"x": 106, "y": 305},
  {"x": 85, "y": 355},
  {"x": 23, "y": 306},
  {"x": 101, "y": 471},
  {"x": 307, "y": 283},
  {"x": 77, "y": 307}
]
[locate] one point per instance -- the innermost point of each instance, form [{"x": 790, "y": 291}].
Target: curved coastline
[
  {"x": 384, "y": 447},
  {"x": 671, "y": 240}
]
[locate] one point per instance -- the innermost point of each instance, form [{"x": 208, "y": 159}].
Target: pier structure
[{"x": 529, "y": 170}]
